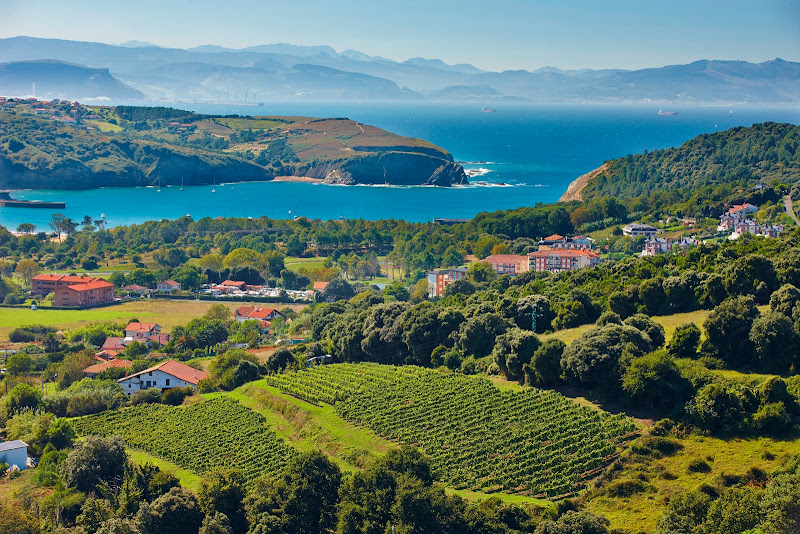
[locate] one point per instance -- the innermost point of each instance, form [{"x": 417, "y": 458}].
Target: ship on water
[
  {"x": 488, "y": 110},
  {"x": 662, "y": 112}
]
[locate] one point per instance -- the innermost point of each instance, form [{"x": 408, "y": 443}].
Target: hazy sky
[{"x": 495, "y": 35}]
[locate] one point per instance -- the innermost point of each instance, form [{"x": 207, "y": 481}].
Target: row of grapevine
[
  {"x": 482, "y": 438},
  {"x": 216, "y": 433}
]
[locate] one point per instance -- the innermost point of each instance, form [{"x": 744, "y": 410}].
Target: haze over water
[{"x": 529, "y": 154}]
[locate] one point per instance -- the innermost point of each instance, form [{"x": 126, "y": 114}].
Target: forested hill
[
  {"x": 61, "y": 145},
  {"x": 718, "y": 167}
]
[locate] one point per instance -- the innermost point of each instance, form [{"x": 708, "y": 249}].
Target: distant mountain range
[{"x": 281, "y": 71}]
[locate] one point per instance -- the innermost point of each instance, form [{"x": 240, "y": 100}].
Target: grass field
[
  {"x": 105, "y": 126},
  {"x": 669, "y": 322},
  {"x": 294, "y": 263},
  {"x": 665, "y": 477},
  {"x": 187, "y": 478},
  {"x": 167, "y": 313}
]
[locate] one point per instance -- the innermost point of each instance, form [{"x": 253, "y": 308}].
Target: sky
[{"x": 493, "y": 35}]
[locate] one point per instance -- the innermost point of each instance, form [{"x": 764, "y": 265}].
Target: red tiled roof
[
  {"x": 134, "y": 287},
  {"x": 554, "y": 237},
  {"x": 233, "y": 283},
  {"x": 100, "y": 367},
  {"x": 140, "y": 327},
  {"x": 170, "y": 283},
  {"x": 262, "y": 313},
  {"x": 504, "y": 258},
  {"x": 100, "y": 284},
  {"x": 320, "y": 285},
  {"x": 179, "y": 370},
  {"x": 71, "y": 279},
  {"x": 161, "y": 339},
  {"x": 113, "y": 343}
]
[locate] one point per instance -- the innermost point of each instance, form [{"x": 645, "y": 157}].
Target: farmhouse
[
  {"x": 15, "y": 453},
  {"x": 140, "y": 331},
  {"x": 254, "y": 313},
  {"x": 168, "y": 286},
  {"x": 507, "y": 263},
  {"x": 93, "y": 370},
  {"x": 166, "y": 375}
]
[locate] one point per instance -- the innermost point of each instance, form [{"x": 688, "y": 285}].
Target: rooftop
[
  {"x": 179, "y": 370},
  {"x": 11, "y": 445}
]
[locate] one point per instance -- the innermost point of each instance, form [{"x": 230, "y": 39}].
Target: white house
[
  {"x": 636, "y": 229},
  {"x": 168, "y": 285},
  {"x": 14, "y": 453},
  {"x": 141, "y": 331},
  {"x": 166, "y": 375}
]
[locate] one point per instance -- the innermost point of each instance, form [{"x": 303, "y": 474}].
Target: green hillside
[{"x": 708, "y": 170}]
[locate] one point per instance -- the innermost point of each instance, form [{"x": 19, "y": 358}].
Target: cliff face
[{"x": 395, "y": 168}]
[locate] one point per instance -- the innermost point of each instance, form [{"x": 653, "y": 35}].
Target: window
[
  {"x": 167, "y": 381},
  {"x": 150, "y": 373},
  {"x": 147, "y": 384}
]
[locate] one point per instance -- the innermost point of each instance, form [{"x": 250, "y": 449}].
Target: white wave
[{"x": 472, "y": 173}]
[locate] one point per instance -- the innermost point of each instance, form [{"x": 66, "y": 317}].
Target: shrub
[
  {"x": 146, "y": 396},
  {"x": 698, "y": 466}
]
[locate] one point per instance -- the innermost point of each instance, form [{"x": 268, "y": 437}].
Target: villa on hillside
[
  {"x": 556, "y": 241},
  {"x": 636, "y": 230},
  {"x": 165, "y": 375},
  {"x": 736, "y": 219}
]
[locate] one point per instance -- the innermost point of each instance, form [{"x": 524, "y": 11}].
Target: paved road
[{"x": 787, "y": 201}]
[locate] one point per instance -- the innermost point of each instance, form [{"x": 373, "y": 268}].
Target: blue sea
[{"x": 520, "y": 155}]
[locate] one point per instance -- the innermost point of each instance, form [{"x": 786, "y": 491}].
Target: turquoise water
[{"x": 526, "y": 154}]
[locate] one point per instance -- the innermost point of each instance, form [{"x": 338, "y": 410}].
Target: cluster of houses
[
  {"x": 235, "y": 288},
  {"x": 556, "y": 254},
  {"x": 736, "y": 219},
  {"x": 146, "y": 333}
]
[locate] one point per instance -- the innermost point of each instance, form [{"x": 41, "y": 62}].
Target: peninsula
[{"x": 65, "y": 145}]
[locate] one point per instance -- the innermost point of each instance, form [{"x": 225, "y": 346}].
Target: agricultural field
[
  {"x": 167, "y": 313},
  {"x": 198, "y": 437},
  {"x": 480, "y": 438}
]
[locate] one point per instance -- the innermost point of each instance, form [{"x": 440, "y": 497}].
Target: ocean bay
[{"x": 525, "y": 154}]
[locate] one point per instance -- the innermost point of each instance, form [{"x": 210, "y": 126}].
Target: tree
[
  {"x": 14, "y": 519},
  {"x": 753, "y": 275},
  {"x": 223, "y": 491},
  {"x": 574, "y": 522},
  {"x": 684, "y": 512},
  {"x": 26, "y": 228},
  {"x": 22, "y": 397},
  {"x": 514, "y": 349},
  {"x": 27, "y": 269},
  {"x": 647, "y": 325},
  {"x": 216, "y": 523},
  {"x": 546, "y": 362},
  {"x": 736, "y": 510},
  {"x": 219, "y": 312},
  {"x": 94, "y": 461},
  {"x": 338, "y": 289},
  {"x": 301, "y": 501},
  {"x": 480, "y": 272},
  {"x": 780, "y": 505},
  {"x": 774, "y": 342},
  {"x": 728, "y": 329},
  {"x": 655, "y": 380},
  {"x": 594, "y": 358},
  {"x": 19, "y": 364},
  {"x": 175, "y": 512},
  {"x": 478, "y": 334},
  {"x": 398, "y": 291},
  {"x": 785, "y": 299},
  {"x": 685, "y": 341}
]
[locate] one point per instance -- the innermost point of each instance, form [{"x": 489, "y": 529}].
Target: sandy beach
[{"x": 296, "y": 179}]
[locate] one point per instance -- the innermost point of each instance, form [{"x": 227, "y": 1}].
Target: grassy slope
[
  {"x": 640, "y": 512},
  {"x": 187, "y": 478}
]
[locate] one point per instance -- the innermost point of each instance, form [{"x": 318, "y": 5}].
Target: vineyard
[
  {"x": 215, "y": 433},
  {"x": 480, "y": 438}
]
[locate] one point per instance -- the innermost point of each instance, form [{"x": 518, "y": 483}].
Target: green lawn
[
  {"x": 294, "y": 263},
  {"x": 105, "y": 126},
  {"x": 187, "y": 478}
]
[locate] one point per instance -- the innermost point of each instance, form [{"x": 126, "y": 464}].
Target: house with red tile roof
[
  {"x": 234, "y": 284},
  {"x": 168, "y": 285},
  {"x": 248, "y": 313},
  {"x": 165, "y": 375},
  {"x": 93, "y": 370},
  {"x": 140, "y": 331},
  {"x": 44, "y": 284},
  {"x": 557, "y": 260},
  {"x": 320, "y": 286}
]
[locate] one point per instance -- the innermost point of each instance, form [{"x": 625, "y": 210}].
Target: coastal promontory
[{"x": 65, "y": 145}]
